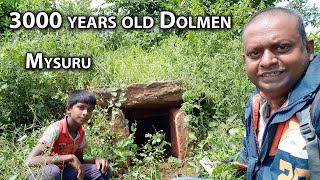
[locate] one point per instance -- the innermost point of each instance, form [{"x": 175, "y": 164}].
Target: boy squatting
[{"x": 66, "y": 140}]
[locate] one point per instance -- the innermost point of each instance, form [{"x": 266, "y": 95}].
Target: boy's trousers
[{"x": 52, "y": 171}]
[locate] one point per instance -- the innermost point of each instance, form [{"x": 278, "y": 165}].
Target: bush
[{"x": 7, "y": 6}]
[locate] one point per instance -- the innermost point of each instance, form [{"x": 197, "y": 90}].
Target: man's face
[
  {"x": 275, "y": 55},
  {"x": 80, "y": 112}
]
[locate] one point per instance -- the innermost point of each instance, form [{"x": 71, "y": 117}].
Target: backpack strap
[
  {"x": 315, "y": 103},
  {"x": 312, "y": 141}
]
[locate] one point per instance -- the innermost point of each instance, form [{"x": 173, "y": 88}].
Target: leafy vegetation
[
  {"x": 6, "y": 6},
  {"x": 309, "y": 12},
  {"x": 209, "y": 64}
]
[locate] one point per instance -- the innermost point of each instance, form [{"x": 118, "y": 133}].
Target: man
[{"x": 281, "y": 63}]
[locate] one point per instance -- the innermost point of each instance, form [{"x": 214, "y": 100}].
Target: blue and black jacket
[{"x": 282, "y": 154}]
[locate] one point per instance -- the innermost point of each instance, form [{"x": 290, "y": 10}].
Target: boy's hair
[{"x": 82, "y": 96}]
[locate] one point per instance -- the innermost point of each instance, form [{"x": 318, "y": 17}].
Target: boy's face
[{"x": 80, "y": 112}]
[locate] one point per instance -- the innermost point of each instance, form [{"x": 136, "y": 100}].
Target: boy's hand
[
  {"x": 102, "y": 164},
  {"x": 76, "y": 164},
  {"x": 80, "y": 175}
]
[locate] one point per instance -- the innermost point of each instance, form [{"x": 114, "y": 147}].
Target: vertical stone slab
[
  {"x": 179, "y": 133},
  {"x": 120, "y": 126},
  {"x": 118, "y": 120}
]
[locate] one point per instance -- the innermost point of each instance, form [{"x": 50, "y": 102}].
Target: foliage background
[{"x": 209, "y": 63}]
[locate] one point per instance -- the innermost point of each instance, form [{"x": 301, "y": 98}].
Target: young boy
[{"x": 65, "y": 139}]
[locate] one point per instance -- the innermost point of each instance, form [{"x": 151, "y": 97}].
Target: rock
[
  {"x": 179, "y": 133},
  {"x": 121, "y": 128},
  {"x": 142, "y": 95},
  {"x": 119, "y": 124}
]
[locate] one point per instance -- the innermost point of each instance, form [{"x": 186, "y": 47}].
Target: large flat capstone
[{"x": 143, "y": 95}]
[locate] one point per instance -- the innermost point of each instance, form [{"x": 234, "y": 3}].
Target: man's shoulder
[{"x": 251, "y": 95}]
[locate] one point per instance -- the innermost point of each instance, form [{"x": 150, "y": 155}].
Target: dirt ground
[{"x": 172, "y": 171}]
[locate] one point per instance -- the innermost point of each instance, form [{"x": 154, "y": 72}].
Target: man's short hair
[
  {"x": 277, "y": 11},
  {"x": 82, "y": 96}
]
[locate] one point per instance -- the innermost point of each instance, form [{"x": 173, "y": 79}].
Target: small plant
[
  {"x": 154, "y": 149},
  {"x": 147, "y": 161}
]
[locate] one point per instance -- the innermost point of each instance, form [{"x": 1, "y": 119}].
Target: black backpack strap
[
  {"x": 312, "y": 141},
  {"x": 315, "y": 103}
]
